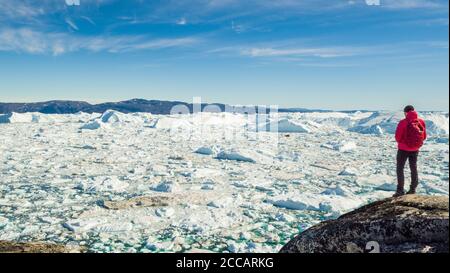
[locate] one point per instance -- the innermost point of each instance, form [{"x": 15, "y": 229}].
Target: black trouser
[{"x": 402, "y": 157}]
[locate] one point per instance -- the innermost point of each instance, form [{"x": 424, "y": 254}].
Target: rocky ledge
[
  {"x": 14, "y": 247},
  {"x": 408, "y": 224}
]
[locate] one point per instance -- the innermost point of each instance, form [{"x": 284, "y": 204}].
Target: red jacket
[{"x": 401, "y": 129}]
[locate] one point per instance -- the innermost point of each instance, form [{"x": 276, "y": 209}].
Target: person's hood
[{"x": 412, "y": 115}]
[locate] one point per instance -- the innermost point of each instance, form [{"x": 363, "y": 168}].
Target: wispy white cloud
[
  {"x": 19, "y": 9},
  {"x": 88, "y": 19},
  {"x": 238, "y": 28},
  {"x": 37, "y": 34},
  {"x": 433, "y": 44},
  {"x": 414, "y": 4},
  {"x": 71, "y": 24},
  {"x": 306, "y": 54},
  {"x": 34, "y": 42},
  {"x": 182, "y": 22},
  {"x": 310, "y": 52},
  {"x": 284, "y": 50},
  {"x": 32, "y": 11},
  {"x": 23, "y": 40}
]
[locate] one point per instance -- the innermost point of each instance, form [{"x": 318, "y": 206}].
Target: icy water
[{"x": 124, "y": 183}]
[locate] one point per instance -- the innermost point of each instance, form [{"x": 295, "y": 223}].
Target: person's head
[{"x": 408, "y": 109}]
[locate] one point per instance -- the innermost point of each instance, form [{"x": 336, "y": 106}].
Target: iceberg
[
  {"x": 334, "y": 204},
  {"x": 290, "y": 126},
  {"x": 341, "y": 146}
]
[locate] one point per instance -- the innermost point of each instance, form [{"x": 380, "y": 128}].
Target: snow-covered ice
[
  {"x": 291, "y": 126},
  {"x": 116, "y": 182},
  {"x": 340, "y": 146}
]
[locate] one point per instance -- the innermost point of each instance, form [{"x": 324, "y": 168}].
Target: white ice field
[{"x": 127, "y": 183}]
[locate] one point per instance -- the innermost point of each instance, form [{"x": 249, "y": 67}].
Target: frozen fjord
[{"x": 123, "y": 183}]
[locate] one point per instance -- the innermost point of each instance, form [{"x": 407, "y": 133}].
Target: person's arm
[
  {"x": 424, "y": 130},
  {"x": 399, "y": 132}
]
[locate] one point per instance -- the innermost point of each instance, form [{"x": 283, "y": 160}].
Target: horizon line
[{"x": 99, "y": 102}]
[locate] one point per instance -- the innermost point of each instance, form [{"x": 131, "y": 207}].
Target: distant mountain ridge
[
  {"x": 71, "y": 107},
  {"x": 157, "y": 107}
]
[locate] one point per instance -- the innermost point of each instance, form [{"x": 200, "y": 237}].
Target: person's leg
[
  {"x": 401, "y": 161},
  {"x": 414, "y": 173}
]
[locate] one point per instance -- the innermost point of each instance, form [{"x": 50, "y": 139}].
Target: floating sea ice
[
  {"x": 208, "y": 150},
  {"x": 207, "y": 187},
  {"x": 245, "y": 155},
  {"x": 235, "y": 155},
  {"x": 305, "y": 202},
  {"x": 387, "y": 187},
  {"x": 164, "y": 212},
  {"x": 3, "y": 222},
  {"x": 292, "y": 156},
  {"x": 371, "y": 130},
  {"x": 283, "y": 217},
  {"x": 83, "y": 225},
  {"x": 101, "y": 225},
  {"x": 287, "y": 125},
  {"x": 153, "y": 245},
  {"x": 234, "y": 247},
  {"x": 166, "y": 186},
  {"x": 206, "y": 173},
  {"x": 93, "y": 125},
  {"x": 103, "y": 184},
  {"x": 87, "y": 147},
  {"x": 339, "y": 191},
  {"x": 50, "y": 220},
  {"x": 430, "y": 188},
  {"x": 159, "y": 170},
  {"x": 437, "y": 123},
  {"x": 342, "y": 146},
  {"x": 173, "y": 123},
  {"x": 349, "y": 171},
  {"x": 377, "y": 181},
  {"x": 139, "y": 170},
  {"x": 386, "y": 121},
  {"x": 19, "y": 118},
  {"x": 110, "y": 116},
  {"x": 440, "y": 140},
  {"x": 334, "y": 204},
  {"x": 221, "y": 203},
  {"x": 116, "y": 227},
  {"x": 247, "y": 247},
  {"x": 241, "y": 184}
]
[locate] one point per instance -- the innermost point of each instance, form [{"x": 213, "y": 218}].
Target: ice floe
[
  {"x": 349, "y": 171},
  {"x": 102, "y": 184},
  {"x": 128, "y": 186},
  {"x": 291, "y": 126},
  {"x": 245, "y": 155},
  {"x": 166, "y": 186},
  {"x": 340, "y": 146},
  {"x": 334, "y": 204},
  {"x": 19, "y": 118},
  {"x": 208, "y": 150},
  {"x": 93, "y": 125}
]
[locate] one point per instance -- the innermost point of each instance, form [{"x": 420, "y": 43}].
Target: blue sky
[{"x": 334, "y": 54}]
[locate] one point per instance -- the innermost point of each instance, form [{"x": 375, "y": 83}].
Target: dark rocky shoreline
[{"x": 409, "y": 224}]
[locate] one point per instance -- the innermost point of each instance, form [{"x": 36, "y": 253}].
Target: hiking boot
[
  {"x": 398, "y": 194},
  {"x": 410, "y": 192}
]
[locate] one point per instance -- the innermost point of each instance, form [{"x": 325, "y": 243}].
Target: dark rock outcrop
[
  {"x": 409, "y": 224},
  {"x": 14, "y": 247}
]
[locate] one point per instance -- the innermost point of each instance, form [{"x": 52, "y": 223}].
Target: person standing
[{"x": 410, "y": 135}]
